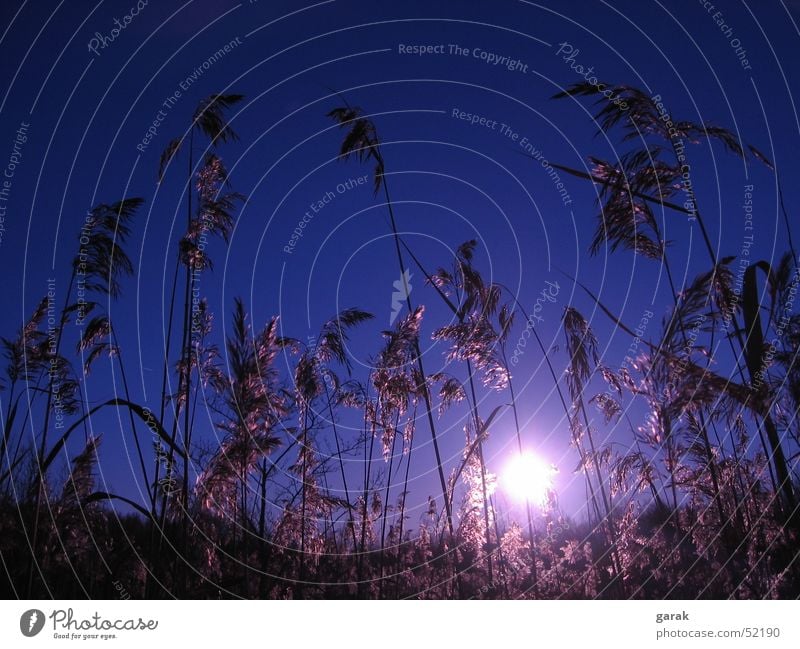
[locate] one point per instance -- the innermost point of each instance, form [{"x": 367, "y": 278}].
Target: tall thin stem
[
  {"x": 423, "y": 381},
  {"x": 341, "y": 465},
  {"x": 386, "y": 508}
]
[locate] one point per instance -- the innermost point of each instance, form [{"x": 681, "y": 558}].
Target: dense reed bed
[{"x": 702, "y": 500}]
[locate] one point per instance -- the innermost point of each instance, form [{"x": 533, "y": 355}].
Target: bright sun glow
[{"x": 528, "y": 477}]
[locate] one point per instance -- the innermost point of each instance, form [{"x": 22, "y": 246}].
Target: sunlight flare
[{"x": 528, "y": 477}]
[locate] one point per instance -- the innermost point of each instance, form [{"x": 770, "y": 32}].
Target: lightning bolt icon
[{"x": 32, "y": 621}]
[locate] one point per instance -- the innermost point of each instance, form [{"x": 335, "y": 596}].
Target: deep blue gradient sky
[{"x": 451, "y": 181}]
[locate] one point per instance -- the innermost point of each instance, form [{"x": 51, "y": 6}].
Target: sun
[{"x": 528, "y": 478}]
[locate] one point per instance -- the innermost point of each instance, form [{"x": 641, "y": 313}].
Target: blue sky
[{"x": 451, "y": 180}]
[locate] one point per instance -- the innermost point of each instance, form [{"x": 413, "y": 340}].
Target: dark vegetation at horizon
[{"x": 703, "y": 503}]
